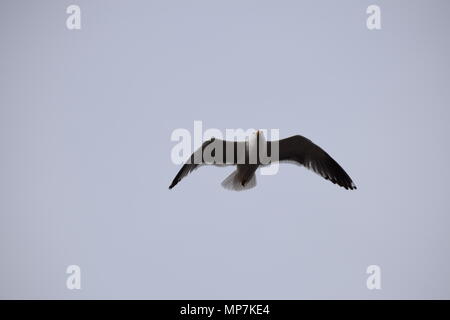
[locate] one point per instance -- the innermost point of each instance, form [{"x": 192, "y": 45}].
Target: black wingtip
[{"x": 346, "y": 186}]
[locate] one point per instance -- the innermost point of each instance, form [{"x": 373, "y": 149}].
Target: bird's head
[
  {"x": 260, "y": 135},
  {"x": 256, "y": 133},
  {"x": 256, "y": 137}
]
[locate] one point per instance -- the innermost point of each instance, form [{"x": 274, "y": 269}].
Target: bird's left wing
[{"x": 213, "y": 151}]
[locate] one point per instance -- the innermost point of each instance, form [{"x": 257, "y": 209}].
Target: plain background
[{"x": 85, "y": 124}]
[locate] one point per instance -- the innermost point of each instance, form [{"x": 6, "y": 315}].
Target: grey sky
[{"x": 85, "y": 124}]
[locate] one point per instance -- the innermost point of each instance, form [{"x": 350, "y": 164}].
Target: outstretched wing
[
  {"x": 221, "y": 152},
  {"x": 305, "y": 152}
]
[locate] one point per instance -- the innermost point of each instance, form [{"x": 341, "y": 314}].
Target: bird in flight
[{"x": 246, "y": 156}]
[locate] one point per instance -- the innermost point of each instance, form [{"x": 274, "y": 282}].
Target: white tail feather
[{"x": 233, "y": 182}]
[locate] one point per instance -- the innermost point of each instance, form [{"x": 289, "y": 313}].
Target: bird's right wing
[
  {"x": 213, "y": 151},
  {"x": 305, "y": 152}
]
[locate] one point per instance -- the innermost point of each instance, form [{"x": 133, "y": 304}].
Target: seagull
[{"x": 295, "y": 149}]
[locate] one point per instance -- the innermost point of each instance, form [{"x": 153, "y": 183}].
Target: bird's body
[{"x": 248, "y": 156}]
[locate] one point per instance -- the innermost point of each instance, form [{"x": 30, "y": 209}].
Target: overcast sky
[{"x": 85, "y": 123}]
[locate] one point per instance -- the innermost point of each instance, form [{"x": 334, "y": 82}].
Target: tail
[{"x": 235, "y": 182}]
